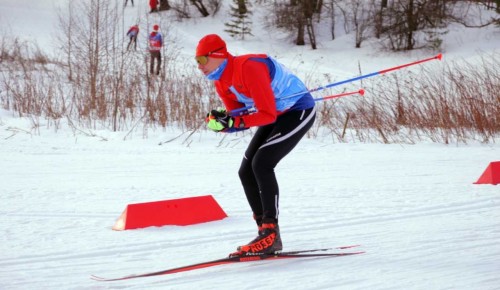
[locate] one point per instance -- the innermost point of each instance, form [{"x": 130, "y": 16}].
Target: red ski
[{"x": 238, "y": 259}]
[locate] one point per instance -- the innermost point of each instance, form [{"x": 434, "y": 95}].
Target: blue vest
[{"x": 289, "y": 91}]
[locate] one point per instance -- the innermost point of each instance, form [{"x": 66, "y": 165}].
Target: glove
[{"x": 219, "y": 121}]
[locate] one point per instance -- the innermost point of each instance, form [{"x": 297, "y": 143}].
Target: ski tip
[
  {"x": 96, "y": 278},
  {"x": 348, "y": 247},
  {"x": 357, "y": 253},
  {"x": 101, "y": 279}
]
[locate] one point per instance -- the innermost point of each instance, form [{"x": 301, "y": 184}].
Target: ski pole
[
  {"x": 361, "y": 92},
  {"x": 439, "y": 56},
  {"x": 248, "y": 110}
]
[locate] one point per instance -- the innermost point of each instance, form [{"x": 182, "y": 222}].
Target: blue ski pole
[{"x": 246, "y": 110}]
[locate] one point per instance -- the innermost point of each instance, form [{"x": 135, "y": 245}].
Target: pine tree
[{"x": 240, "y": 24}]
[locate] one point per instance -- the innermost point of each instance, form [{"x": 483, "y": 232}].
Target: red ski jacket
[{"x": 252, "y": 79}]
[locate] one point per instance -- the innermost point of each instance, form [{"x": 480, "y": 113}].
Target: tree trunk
[
  {"x": 410, "y": 20},
  {"x": 242, "y": 7},
  {"x": 308, "y": 8},
  {"x": 332, "y": 28},
  {"x": 164, "y": 5},
  {"x": 297, "y": 11},
  {"x": 201, "y": 7},
  {"x": 317, "y": 6},
  {"x": 310, "y": 32},
  {"x": 379, "y": 20},
  {"x": 300, "y": 32}
]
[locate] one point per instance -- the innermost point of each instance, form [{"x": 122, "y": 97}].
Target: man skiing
[
  {"x": 284, "y": 112},
  {"x": 155, "y": 45},
  {"x": 153, "y": 4},
  {"x": 132, "y": 34}
]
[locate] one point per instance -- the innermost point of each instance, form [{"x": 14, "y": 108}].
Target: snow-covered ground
[{"x": 413, "y": 208}]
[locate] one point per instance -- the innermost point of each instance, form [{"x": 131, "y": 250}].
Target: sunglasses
[{"x": 203, "y": 59}]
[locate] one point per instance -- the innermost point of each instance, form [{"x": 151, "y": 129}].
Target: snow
[{"x": 413, "y": 208}]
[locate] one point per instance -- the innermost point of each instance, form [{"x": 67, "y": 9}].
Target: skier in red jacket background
[
  {"x": 155, "y": 45},
  {"x": 132, "y": 33},
  {"x": 153, "y": 4}
]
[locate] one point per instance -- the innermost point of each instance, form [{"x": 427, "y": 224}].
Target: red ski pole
[
  {"x": 361, "y": 92},
  {"x": 439, "y": 56},
  {"x": 246, "y": 110}
]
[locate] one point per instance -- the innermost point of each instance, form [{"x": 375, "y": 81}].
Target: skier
[
  {"x": 126, "y": 1},
  {"x": 132, "y": 34},
  {"x": 153, "y": 4},
  {"x": 284, "y": 113},
  {"x": 155, "y": 45}
]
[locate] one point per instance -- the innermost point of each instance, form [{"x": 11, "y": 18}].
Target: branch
[{"x": 465, "y": 24}]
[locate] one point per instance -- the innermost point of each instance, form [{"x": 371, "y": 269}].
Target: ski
[{"x": 237, "y": 259}]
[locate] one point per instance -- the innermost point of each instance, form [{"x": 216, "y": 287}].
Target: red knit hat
[
  {"x": 156, "y": 27},
  {"x": 212, "y": 45}
]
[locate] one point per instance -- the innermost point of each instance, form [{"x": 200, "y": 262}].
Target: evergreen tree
[{"x": 240, "y": 24}]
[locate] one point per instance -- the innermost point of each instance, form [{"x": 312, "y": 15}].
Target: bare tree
[
  {"x": 296, "y": 16},
  {"x": 183, "y": 7},
  {"x": 66, "y": 21},
  {"x": 331, "y": 9},
  {"x": 164, "y": 5},
  {"x": 402, "y": 22},
  {"x": 94, "y": 55},
  {"x": 309, "y": 8},
  {"x": 379, "y": 15},
  {"x": 358, "y": 15},
  {"x": 201, "y": 7}
]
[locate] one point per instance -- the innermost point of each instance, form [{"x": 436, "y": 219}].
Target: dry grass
[
  {"x": 457, "y": 103},
  {"x": 460, "y": 102}
]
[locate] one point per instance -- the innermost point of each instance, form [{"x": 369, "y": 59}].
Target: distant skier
[
  {"x": 132, "y": 33},
  {"x": 153, "y": 4},
  {"x": 126, "y": 1},
  {"x": 284, "y": 113},
  {"x": 155, "y": 45}
]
